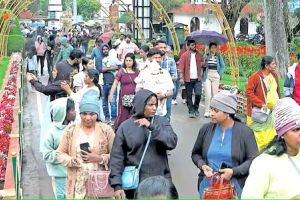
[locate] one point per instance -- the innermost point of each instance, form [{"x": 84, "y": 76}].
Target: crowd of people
[{"x": 109, "y": 111}]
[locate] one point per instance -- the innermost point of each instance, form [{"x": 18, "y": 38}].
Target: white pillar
[{"x": 75, "y": 11}]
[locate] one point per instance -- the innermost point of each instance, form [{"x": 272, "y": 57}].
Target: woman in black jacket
[
  {"x": 130, "y": 142},
  {"x": 224, "y": 145}
]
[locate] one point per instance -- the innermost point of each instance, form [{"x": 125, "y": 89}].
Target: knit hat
[
  {"x": 225, "y": 101},
  {"x": 286, "y": 115},
  {"x": 90, "y": 102},
  {"x": 63, "y": 40}
]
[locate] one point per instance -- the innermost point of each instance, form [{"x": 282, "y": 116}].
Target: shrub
[{"x": 15, "y": 43}]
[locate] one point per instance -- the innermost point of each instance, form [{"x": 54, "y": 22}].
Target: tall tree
[
  {"x": 168, "y": 5},
  {"x": 86, "y": 8},
  {"x": 276, "y": 39},
  {"x": 232, "y": 10}
]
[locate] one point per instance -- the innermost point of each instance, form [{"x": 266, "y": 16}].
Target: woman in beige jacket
[{"x": 99, "y": 137}]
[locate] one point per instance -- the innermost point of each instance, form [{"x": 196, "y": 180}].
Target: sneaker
[
  {"x": 192, "y": 115},
  {"x": 174, "y": 102},
  {"x": 184, "y": 101},
  {"x": 206, "y": 115},
  {"x": 197, "y": 114}
]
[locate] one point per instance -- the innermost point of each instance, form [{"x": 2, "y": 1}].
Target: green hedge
[
  {"x": 3, "y": 68},
  {"x": 15, "y": 43},
  {"x": 15, "y": 39}
]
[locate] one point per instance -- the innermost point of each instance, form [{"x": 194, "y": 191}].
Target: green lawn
[
  {"x": 3, "y": 68},
  {"x": 242, "y": 82}
]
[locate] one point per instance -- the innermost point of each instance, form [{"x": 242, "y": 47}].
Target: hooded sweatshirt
[
  {"x": 130, "y": 142},
  {"x": 58, "y": 109}
]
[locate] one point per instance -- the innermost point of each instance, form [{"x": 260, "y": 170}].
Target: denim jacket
[{"x": 220, "y": 66}]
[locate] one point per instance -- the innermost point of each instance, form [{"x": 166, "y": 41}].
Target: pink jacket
[{"x": 40, "y": 48}]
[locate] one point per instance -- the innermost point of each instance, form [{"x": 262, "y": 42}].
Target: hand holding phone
[{"x": 85, "y": 147}]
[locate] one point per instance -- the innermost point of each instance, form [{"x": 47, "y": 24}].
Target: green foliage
[
  {"x": 295, "y": 45},
  {"x": 88, "y": 8},
  {"x": 125, "y": 18},
  {"x": 3, "y": 68},
  {"x": 15, "y": 39}
]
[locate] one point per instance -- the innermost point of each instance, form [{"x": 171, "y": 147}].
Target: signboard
[{"x": 142, "y": 10}]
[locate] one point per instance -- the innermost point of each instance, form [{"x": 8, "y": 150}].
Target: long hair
[
  {"x": 134, "y": 66},
  {"x": 95, "y": 78},
  {"x": 276, "y": 147}
]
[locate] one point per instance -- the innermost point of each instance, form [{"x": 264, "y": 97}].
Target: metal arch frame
[
  {"x": 136, "y": 21},
  {"x": 14, "y": 8},
  {"x": 233, "y": 58}
]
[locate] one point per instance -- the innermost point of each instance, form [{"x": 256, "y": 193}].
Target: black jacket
[
  {"x": 53, "y": 89},
  {"x": 244, "y": 149},
  {"x": 130, "y": 142}
]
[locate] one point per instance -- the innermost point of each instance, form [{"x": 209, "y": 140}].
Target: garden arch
[{"x": 13, "y": 8}]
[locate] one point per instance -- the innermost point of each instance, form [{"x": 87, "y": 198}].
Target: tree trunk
[
  {"x": 289, "y": 32},
  {"x": 276, "y": 40}
]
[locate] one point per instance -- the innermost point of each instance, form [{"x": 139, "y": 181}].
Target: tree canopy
[{"x": 86, "y": 8}]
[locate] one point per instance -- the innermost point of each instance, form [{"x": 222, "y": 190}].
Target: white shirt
[
  {"x": 193, "y": 67},
  {"x": 155, "y": 79}
]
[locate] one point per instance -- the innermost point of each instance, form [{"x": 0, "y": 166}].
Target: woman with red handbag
[{"x": 224, "y": 146}]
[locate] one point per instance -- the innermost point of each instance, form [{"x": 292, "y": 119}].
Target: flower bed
[{"x": 7, "y": 112}]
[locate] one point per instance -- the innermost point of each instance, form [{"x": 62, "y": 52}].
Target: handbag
[
  {"x": 219, "y": 189},
  {"x": 258, "y": 114},
  {"x": 98, "y": 186},
  {"x": 130, "y": 176},
  {"x": 127, "y": 99}
]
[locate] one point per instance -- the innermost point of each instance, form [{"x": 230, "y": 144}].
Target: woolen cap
[
  {"x": 225, "y": 102},
  {"x": 286, "y": 115},
  {"x": 90, "y": 102}
]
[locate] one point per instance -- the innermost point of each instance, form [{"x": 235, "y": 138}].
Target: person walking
[
  {"x": 40, "y": 49},
  {"x": 109, "y": 73},
  {"x": 125, "y": 77},
  {"x": 292, "y": 81},
  {"x": 225, "y": 145},
  {"x": 190, "y": 69},
  {"x": 65, "y": 50},
  {"x": 66, "y": 69},
  {"x": 275, "y": 174},
  {"x": 31, "y": 61},
  {"x": 97, "y": 136},
  {"x": 213, "y": 70},
  {"x": 50, "y": 55},
  {"x": 263, "y": 91},
  {"x": 130, "y": 142},
  {"x": 62, "y": 114}
]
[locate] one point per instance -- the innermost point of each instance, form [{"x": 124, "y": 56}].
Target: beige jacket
[{"x": 67, "y": 150}]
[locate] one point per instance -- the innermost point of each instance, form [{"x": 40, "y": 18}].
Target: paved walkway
[{"x": 37, "y": 184}]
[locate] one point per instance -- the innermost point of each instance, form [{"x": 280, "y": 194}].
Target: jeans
[
  {"x": 169, "y": 108},
  {"x": 176, "y": 88},
  {"x": 193, "y": 86},
  {"x": 59, "y": 187},
  {"x": 50, "y": 67},
  {"x": 42, "y": 59},
  {"x": 84, "y": 49},
  {"x": 113, "y": 106}
]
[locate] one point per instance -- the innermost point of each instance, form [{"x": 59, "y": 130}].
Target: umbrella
[
  {"x": 207, "y": 37},
  {"x": 106, "y": 36}
]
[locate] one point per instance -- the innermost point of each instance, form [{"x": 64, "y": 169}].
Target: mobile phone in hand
[
  {"x": 225, "y": 166},
  {"x": 85, "y": 147}
]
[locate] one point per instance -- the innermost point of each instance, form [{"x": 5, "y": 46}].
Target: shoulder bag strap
[
  {"x": 263, "y": 88},
  {"x": 130, "y": 78},
  {"x": 294, "y": 165},
  {"x": 147, "y": 145}
]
